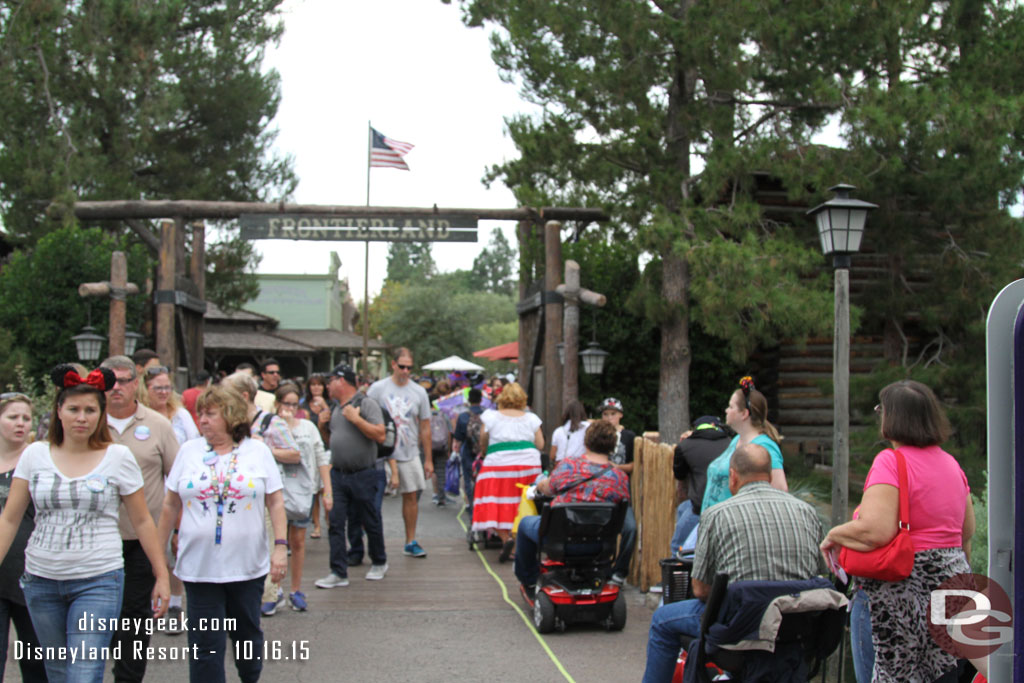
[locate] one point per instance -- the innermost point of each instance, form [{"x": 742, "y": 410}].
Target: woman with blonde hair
[
  {"x": 219, "y": 487},
  {"x": 15, "y": 434},
  {"x": 747, "y": 414},
  {"x": 161, "y": 397},
  {"x": 511, "y": 440}
]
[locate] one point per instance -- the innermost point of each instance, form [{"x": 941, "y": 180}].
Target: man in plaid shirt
[{"x": 760, "y": 534}]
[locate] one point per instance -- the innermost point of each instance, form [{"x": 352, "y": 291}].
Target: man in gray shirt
[
  {"x": 409, "y": 407},
  {"x": 356, "y": 428}
]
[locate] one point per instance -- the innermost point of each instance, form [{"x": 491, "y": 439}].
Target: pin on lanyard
[{"x": 225, "y": 484}]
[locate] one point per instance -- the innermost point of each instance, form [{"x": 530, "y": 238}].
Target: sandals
[
  {"x": 506, "y": 551},
  {"x": 315, "y": 534}
]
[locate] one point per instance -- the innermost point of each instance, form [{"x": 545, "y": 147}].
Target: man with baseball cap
[
  {"x": 622, "y": 458},
  {"x": 696, "y": 450},
  {"x": 357, "y": 426}
]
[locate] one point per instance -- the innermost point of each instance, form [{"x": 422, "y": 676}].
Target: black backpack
[{"x": 385, "y": 449}]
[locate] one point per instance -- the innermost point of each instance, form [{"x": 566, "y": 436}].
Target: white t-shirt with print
[
  {"x": 242, "y": 554},
  {"x": 76, "y": 534}
]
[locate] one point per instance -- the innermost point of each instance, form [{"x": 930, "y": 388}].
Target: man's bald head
[{"x": 750, "y": 462}]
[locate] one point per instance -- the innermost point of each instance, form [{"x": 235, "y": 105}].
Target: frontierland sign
[{"x": 408, "y": 228}]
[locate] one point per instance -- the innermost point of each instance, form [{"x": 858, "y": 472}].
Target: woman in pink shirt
[{"x": 941, "y": 525}]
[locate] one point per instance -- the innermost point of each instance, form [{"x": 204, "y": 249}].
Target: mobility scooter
[{"x": 577, "y": 549}]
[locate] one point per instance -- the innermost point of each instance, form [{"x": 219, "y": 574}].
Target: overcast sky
[{"x": 414, "y": 70}]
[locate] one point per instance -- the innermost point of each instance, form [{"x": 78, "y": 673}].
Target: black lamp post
[
  {"x": 88, "y": 344},
  {"x": 841, "y": 223}
]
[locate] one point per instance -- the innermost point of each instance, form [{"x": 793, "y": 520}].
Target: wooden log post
[
  {"x": 197, "y": 273},
  {"x": 118, "y": 312},
  {"x": 571, "y": 332},
  {"x": 165, "y": 337},
  {"x": 117, "y": 288},
  {"x": 552, "y": 329}
]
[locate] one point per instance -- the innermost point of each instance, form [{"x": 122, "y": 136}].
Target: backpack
[
  {"x": 440, "y": 432},
  {"x": 473, "y": 429},
  {"x": 385, "y": 449}
]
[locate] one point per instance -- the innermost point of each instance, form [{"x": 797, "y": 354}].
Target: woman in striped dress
[{"x": 511, "y": 438}]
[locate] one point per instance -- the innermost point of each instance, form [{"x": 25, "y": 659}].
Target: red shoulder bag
[{"x": 895, "y": 560}]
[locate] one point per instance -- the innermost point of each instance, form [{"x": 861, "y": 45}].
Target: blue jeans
[
  {"x": 355, "y": 521},
  {"x": 627, "y": 544},
  {"x": 358, "y": 490},
  {"x": 860, "y": 637},
  {"x": 57, "y": 607},
  {"x": 32, "y": 670},
  {"x": 467, "y": 458},
  {"x": 686, "y": 520},
  {"x": 210, "y": 606},
  {"x": 527, "y": 567},
  {"x": 669, "y": 623}
]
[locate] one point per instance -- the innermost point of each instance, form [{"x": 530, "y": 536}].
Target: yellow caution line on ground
[{"x": 504, "y": 595}]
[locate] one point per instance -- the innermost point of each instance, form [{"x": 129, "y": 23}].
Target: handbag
[
  {"x": 451, "y": 475},
  {"x": 895, "y": 560}
]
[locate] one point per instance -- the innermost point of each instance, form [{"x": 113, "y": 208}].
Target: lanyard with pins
[{"x": 224, "y": 484}]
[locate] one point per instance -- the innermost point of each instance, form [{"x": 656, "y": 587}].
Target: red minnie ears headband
[{"x": 65, "y": 376}]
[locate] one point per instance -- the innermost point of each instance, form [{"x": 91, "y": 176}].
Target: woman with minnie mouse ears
[
  {"x": 747, "y": 414},
  {"x": 74, "y": 571}
]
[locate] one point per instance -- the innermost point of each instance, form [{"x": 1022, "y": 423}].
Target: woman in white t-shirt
[
  {"x": 74, "y": 569},
  {"x": 511, "y": 439},
  {"x": 567, "y": 440},
  {"x": 160, "y": 396},
  {"x": 218, "y": 487}
]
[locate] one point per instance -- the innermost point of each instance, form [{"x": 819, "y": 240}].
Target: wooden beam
[
  {"x": 197, "y": 209},
  {"x": 552, "y": 329},
  {"x": 165, "y": 342}
]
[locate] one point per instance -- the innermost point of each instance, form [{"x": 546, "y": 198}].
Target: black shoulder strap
[
  {"x": 266, "y": 423},
  {"x": 600, "y": 473}
]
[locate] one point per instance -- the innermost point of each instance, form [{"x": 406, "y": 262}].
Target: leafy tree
[
  {"x": 661, "y": 112},
  {"x": 494, "y": 266},
  {"x": 231, "y": 272},
  {"x": 410, "y": 262},
  {"x": 132, "y": 100},
  {"x": 435, "y": 321},
  {"x": 39, "y": 302}
]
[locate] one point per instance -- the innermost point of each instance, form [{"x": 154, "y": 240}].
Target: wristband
[{"x": 281, "y": 541}]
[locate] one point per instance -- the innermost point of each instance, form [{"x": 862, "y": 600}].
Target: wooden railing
[{"x": 653, "y": 491}]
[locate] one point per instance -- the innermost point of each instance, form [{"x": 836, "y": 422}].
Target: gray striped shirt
[{"x": 760, "y": 534}]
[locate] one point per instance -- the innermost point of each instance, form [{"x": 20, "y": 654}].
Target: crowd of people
[{"x": 133, "y": 501}]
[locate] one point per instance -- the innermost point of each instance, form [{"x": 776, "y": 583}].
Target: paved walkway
[{"x": 441, "y": 619}]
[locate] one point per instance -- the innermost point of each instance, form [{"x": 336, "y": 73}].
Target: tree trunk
[{"x": 674, "y": 375}]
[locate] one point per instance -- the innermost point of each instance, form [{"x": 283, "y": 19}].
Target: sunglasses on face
[
  {"x": 403, "y": 367},
  {"x": 271, "y": 372},
  {"x": 124, "y": 380}
]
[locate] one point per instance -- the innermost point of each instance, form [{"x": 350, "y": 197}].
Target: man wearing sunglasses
[
  {"x": 409, "y": 407},
  {"x": 150, "y": 438}
]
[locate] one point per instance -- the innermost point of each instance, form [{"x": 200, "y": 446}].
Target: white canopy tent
[{"x": 453, "y": 364}]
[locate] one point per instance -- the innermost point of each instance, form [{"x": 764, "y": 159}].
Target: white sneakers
[
  {"x": 332, "y": 580},
  {"x": 377, "y": 572}
]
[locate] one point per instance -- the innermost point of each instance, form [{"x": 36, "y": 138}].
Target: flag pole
[{"x": 366, "y": 260}]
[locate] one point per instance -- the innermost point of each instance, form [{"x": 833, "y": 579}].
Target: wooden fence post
[{"x": 653, "y": 492}]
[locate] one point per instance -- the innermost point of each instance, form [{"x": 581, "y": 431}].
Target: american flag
[{"x": 388, "y": 153}]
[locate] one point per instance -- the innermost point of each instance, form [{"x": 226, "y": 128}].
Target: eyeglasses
[
  {"x": 158, "y": 370},
  {"x": 403, "y": 367},
  {"x": 161, "y": 389},
  {"x": 290, "y": 404}
]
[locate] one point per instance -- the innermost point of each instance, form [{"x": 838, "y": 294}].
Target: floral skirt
[
  {"x": 496, "y": 496},
  {"x": 904, "y": 649}
]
